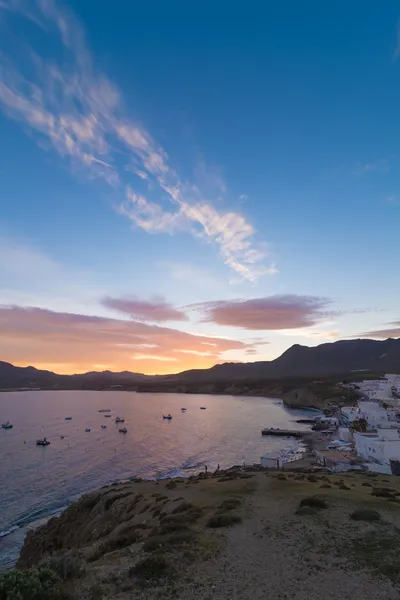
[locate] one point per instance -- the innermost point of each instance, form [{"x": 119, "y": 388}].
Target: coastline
[{"x": 218, "y": 534}]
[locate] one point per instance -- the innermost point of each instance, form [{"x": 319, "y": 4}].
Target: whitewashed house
[{"x": 379, "y": 447}]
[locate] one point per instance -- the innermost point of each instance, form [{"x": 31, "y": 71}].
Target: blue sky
[{"x": 236, "y": 164}]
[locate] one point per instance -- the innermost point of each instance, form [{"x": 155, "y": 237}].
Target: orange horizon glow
[
  {"x": 145, "y": 368},
  {"x": 70, "y": 344}
]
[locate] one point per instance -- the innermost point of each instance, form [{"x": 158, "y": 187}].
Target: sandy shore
[{"x": 234, "y": 534}]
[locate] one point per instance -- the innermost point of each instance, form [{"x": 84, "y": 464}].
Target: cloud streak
[
  {"x": 156, "y": 310},
  {"x": 272, "y": 313},
  {"x": 80, "y": 342},
  {"x": 78, "y": 112},
  {"x": 393, "y": 331}
]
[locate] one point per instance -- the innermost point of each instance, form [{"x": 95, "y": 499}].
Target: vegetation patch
[
  {"x": 230, "y": 504},
  {"x": 182, "y": 507},
  {"x": 66, "y": 565},
  {"x": 31, "y": 584},
  {"x": 313, "y": 502},
  {"x": 306, "y": 510},
  {"x": 382, "y": 493},
  {"x": 223, "y": 520},
  {"x": 171, "y": 485},
  {"x": 365, "y": 515},
  {"x": 170, "y": 540},
  {"x": 152, "y": 568},
  {"x": 377, "y": 551}
]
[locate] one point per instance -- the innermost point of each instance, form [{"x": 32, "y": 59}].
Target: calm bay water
[{"x": 37, "y": 482}]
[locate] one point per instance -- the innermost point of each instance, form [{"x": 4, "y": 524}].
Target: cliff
[{"x": 237, "y": 533}]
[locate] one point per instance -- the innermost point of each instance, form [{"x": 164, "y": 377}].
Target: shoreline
[{"x": 287, "y": 404}]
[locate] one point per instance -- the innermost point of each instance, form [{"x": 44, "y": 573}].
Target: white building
[{"x": 379, "y": 447}]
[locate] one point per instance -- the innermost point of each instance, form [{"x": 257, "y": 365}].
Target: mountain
[
  {"x": 29, "y": 377},
  {"x": 298, "y": 361},
  {"x": 302, "y": 361}
]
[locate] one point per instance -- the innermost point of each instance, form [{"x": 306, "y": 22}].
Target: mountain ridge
[{"x": 342, "y": 356}]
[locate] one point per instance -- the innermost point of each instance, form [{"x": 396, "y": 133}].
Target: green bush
[
  {"x": 33, "y": 584},
  {"x": 152, "y": 567},
  {"x": 230, "y": 504},
  {"x": 223, "y": 520},
  {"x": 313, "y": 502},
  {"x": 306, "y": 510},
  {"x": 365, "y": 515},
  {"x": 67, "y": 565}
]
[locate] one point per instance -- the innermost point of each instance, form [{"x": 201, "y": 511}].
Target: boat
[
  {"x": 7, "y": 425},
  {"x": 103, "y": 426},
  {"x": 123, "y": 430},
  {"x": 105, "y": 410},
  {"x": 62, "y": 437},
  {"x": 119, "y": 420},
  {"x": 108, "y": 416},
  {"x": 43, "y": 442},
  {"x": 202, "y": 408},
  {"x": 68, "y": 418},
  {"x": 87, "y": 430},
  {"x": 183, "y": 409},
  {"x": 169, "y": 417}
]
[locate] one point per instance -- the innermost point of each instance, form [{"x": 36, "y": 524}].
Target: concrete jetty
[{"x": 284, "y": 432}]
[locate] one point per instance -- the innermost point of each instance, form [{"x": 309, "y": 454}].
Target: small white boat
[
  {"x": 7, "y": 425},
  {"x": 119, "y": 420},
  {"x": 87, "y": 430},
  {"x": 123, "y": 430},
  {"x": 169, "y": 417}
]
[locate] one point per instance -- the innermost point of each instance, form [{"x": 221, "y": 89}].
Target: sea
[{"x": 38, "y": 482}]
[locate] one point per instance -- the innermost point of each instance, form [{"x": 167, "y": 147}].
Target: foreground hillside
[{"x": 235, "y": 534}]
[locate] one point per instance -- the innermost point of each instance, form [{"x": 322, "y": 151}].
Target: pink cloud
[
  {"x": 270, "y": 313},
  {"x": 76, "y": 343},
  {"x": 392, "y": 332},
  {"x": 156, "y": 310}
]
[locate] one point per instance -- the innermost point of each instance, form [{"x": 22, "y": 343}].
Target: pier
[{"x": 284, "y": 432}]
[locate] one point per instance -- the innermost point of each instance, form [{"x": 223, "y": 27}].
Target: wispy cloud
[
  {"x": 392, "y": 331},
  {"x": 378, "y": 166},
  {"x": 156, "y": 310},
  {"x": 270, "y": 313},
  {"x": 78, "y": 112}
]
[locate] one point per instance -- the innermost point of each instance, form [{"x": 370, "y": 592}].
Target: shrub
[
  {"x": 314, "y": 502},
  {"x": 306, "y": 510},
  {"x": 381, "y": 493},
  {"x": 325, "y": 486},
  {"x": 175, "y": 538},
  {"x": 365, "y": 515},
  {"x": 182, "y": 507},
  {"x": 230, "y": 504},
  {"x": 171, "y": 485},
  {"x": 67, "y": 565},
  {"x": 223, "y": 520},
  {"x": 96, "y": 592},
  {"x": 33, "y": 584},
  {"x": 152, "y": 567}
]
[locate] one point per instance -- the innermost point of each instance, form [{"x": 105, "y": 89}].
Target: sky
[{"x": 185, "y": 184}]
